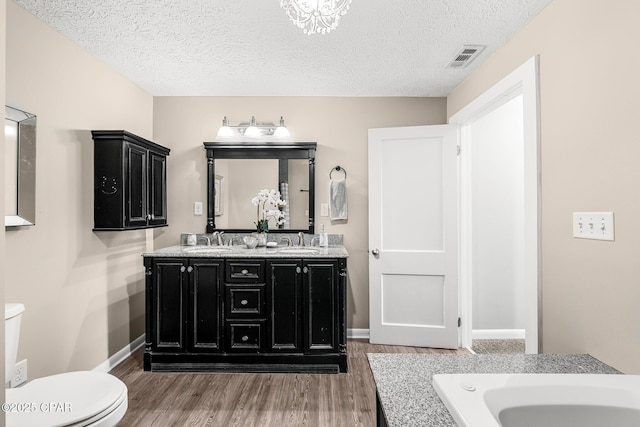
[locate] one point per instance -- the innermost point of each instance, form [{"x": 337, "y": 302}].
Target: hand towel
[{"x": 338, "y": 200}]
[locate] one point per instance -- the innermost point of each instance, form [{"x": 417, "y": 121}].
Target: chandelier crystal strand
[{"x": 315, "y": 16}]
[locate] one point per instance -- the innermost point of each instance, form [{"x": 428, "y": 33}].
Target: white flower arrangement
[{"x": 268, "y": 204}]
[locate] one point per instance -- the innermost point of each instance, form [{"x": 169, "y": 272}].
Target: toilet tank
[{"x": 12, "y": 315}]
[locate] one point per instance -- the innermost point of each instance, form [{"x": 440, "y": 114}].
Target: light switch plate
[
  {"x": 593, "y": 225},
  {"x": 324, "y": 209},
  {"x": 197, "y": 208}
]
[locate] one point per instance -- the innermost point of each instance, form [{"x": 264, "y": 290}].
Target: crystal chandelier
[{"x": 315, "y": 16}]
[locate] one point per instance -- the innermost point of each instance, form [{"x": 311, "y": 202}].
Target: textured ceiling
[{"x": 250, "y": 48}]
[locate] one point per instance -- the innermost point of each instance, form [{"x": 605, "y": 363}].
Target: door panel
[
  {"x": 413, "y": 236},
  {"x": 169, "y": 291},
  {"x": 205, "y": 323},
  {"x": 320, "y": 295},
  {"x": 284, "y": 301},
  {"x": 137, "y": 189}
]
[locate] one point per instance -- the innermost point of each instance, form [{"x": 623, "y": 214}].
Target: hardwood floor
[{"x": 223, "y": 399}]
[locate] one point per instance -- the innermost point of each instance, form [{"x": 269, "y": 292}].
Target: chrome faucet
[
  {"x": 288, "y": 240},
  {"x": 218, "y": 235},
  {"x": 301, "y": 236},
  {"x": 208, "y": 239}
]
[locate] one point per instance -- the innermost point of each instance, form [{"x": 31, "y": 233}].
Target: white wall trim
[
  {"x": 523, "y": 80},
  {"x": 497, "y": 334},
  {"x": 120, "y": 356},
  {"x": 126, "y": 351},
  {"x": 358, "y": 333}
]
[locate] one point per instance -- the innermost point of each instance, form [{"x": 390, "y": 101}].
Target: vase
[{"x": 262, "y": 238}]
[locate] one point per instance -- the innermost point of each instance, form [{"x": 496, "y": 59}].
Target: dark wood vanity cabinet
[
  {"x": 182, "y": 305},
  {"x": 129, "y": 181},
  {"x": 246, "y": 315}
]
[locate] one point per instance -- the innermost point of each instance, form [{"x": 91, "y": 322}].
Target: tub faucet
[
  {"x": 218, "y": 235},
  {"x": 301, "y": 236}
]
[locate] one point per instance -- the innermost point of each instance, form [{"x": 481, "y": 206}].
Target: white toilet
[{"x": 71, "y": 399}]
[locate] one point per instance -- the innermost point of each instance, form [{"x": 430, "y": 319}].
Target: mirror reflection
[
  {"x": 20, "y": 167},
  {"x": 236, "y": 172},
  {"x": 239, "y": 180}
]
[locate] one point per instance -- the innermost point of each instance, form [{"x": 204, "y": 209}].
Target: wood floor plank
[{"x": 282, "y": 400}]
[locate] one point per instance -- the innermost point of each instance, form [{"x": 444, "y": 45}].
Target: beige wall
[
  {"x": 590, "y": 107},
  {"x": 3, "y": 261},
  {"x": 338, "y": 125},
  {"x": 83, "y": 291}
]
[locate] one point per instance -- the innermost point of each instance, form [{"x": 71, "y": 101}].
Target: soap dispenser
[{"x": 323, "y": 239}]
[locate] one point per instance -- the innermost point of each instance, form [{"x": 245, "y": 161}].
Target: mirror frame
[
  {"x": 26, "y": 168},
  {"x": 258, "y": 150}
]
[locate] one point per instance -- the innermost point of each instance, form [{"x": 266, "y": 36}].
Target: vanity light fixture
[
  {"x": 315, "y": 16},
  {"x": 253, "y": 131}
]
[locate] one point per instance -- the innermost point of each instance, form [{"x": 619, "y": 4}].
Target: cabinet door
[
  {"x": 284, "y": 302},
  {"x": 321, "y": 306},
  {"x": 205, "y": 317},
  {"x": 157, "y": 189},
  {"x": 136, "y": 186},
  {"x": 168, "y": 304}
]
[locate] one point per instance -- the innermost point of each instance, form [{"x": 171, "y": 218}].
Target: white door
[{"x": 413, "y": 236}]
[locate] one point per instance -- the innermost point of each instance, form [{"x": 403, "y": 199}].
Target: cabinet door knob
[
  {"x": 245, "y": 338},
  {"x": 190, "y": 269},
  {"x": 244, "y": 272},
  {"x": 298, "y": 270},
  {"x": 305, "y": 270},
  {"x": 183, "y": 269},
  {"x": 244, "y": 302}
]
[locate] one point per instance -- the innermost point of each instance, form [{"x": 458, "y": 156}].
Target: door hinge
[
  {"x": 459, "y": 322},
  {"x": 459, "y": 149}
]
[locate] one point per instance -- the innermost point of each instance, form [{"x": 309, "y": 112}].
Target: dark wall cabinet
[
  {"x": 246, "y": 315},
  {"x": 130, "y": 181}
]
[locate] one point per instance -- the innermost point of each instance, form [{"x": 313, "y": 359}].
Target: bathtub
[{"x": 550, "y": 400}]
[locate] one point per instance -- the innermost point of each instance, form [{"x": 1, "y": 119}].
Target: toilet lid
[{"x": 63, "y": 399}]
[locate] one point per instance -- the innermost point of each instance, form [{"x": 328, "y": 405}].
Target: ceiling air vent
[{"x": 465, "y": 55}]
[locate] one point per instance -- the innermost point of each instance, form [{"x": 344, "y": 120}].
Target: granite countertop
[
  {"x": 403, "y": 381},
  {"x": 241, "y": 251}
]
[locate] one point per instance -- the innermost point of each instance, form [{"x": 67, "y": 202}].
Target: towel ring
[{"x": 338, "y": 168}]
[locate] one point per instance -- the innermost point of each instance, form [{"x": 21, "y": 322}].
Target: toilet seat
[{"x": 70, "y": 399}]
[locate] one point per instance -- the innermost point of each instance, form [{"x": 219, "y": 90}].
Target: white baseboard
[
  {"x": 497, "y": 334},
  {"x": 125, "y": 352},
  {"x": 122, "y": 354},
  {"x": 358, "y": 333}
]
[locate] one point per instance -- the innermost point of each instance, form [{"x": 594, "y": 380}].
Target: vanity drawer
[
  {"x": 247, "y": 337},
  {"x": 244, "y": 301},
  {"x": 245, "y": 271}
]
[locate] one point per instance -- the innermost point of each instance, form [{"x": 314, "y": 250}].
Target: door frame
[{"x": 522, "y": 81}]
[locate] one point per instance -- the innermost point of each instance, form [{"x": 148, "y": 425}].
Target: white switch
[
  {"x": 324, "y": 209},
  {"x": 197, "y": 208},
  {"x": 593, "y": 225}
]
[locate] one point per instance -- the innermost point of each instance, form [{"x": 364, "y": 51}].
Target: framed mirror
[
  {"x": 20, "y": 168},
  {"x": 238, "y": 171}
]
